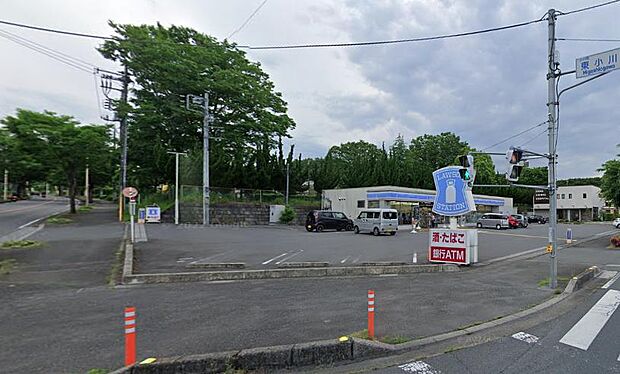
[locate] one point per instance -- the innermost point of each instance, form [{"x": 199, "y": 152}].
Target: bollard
[
  {"x": 371, "y": 314},
  {"x": 130, "y": 336},
  {"x": 569, "y": 236},
  {"x": 415, "y": 257}
]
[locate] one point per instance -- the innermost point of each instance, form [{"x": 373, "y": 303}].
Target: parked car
[
  {"x": 377, "y": 221},
  {"x": 320, "y": 220},
  {"x": 616, "y": 223},
  {"x": 537, "y": 219},
  {"x": 521, "y": 219},
  {"x": 495, "y": 220},
  {"x": 513, "y": 222}
]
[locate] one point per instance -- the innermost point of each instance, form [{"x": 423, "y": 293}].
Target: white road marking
[
  {"x": 607, "y": 274},
  {"x": 275, "y": 258},
  {"x": 289, "y": 257},
  {"x": 388, "y": 275},
  {"x": 613, "y": 265},
  {"x": 356, "y": 260},
  {"x": 611, "y": 281},
  {"x": 618, "y": 358},
  {"x": 523, "y": 336},
  {"x": 420, "y": 367},
  {"x": 585, "y": 331},
  {"x": 345, "y": 259}
]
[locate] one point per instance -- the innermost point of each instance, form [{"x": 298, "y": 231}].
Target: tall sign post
[
  {"x": 454, "y": 198},
  {"x": 131, "y": 193}
]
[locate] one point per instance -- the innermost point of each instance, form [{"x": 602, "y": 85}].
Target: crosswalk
[{"x": 593, "y": 334}]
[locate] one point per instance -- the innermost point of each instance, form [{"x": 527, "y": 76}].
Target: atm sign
[{"x": 448, "y": 254}]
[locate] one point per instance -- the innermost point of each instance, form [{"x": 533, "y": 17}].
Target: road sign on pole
[
  {"x": 597, "y": 64},
  {"x": 130, "y": 192}
]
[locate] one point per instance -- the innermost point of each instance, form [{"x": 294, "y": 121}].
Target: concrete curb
[
  {"x": 278, "y": 273},
  {"x": 217, "y": 265},
  {"x": 128, "y": 264},
  {"x": 327, "y": 353}
]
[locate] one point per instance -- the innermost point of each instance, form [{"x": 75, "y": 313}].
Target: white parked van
[{"x": 376, "y": 221}]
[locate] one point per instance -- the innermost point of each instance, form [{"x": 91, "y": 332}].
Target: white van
[{"x": 376, "y": 221}]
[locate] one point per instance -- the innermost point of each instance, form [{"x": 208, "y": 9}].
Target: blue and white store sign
[{"x": 453, "y": 198}]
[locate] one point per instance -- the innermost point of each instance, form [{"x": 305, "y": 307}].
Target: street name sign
[
  {"x": 453, "y": 198},
  {"x": 453, "y": 246},
  {"x": 597, "y": 64}
]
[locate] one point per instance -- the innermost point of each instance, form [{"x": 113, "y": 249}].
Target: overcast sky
[{"x": 484, "y": 88}]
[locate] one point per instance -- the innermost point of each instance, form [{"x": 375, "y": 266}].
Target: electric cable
[
  {"x": 515, "y": 135},
  {"x": 588, "y": 8},
  {"x": 587, "y": 40},
  {"x": 56, "y": 31},
  {"x": 247, "y": 20},
  {"x": 533, "y": 138}
]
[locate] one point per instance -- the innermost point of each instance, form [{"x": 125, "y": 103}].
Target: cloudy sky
[{"x": 484, "y": 88}]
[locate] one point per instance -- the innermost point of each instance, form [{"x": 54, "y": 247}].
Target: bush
[
  {"x": 615, "y": 241},
  {"x": 288, "y": 215}
]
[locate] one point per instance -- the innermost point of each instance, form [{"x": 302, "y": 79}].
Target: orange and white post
[
  {"x": 371, "y": 314},
  {"x": 130, "y": 335}
]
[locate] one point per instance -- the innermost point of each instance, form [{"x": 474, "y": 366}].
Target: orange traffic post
[
  {"x": 371, "y": 314},
  {"x": 130, "y": 336}
]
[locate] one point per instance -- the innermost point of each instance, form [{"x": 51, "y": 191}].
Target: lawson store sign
[{"x": 417, "y": 197}]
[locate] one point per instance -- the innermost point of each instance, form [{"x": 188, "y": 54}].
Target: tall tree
[
  {"x": 166, "y": 64},
  {"x": 432, "y": 152},
  {"x": 610, "y": 182}
]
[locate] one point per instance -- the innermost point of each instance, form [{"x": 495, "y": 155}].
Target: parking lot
[{"x": 173, "y": 248}]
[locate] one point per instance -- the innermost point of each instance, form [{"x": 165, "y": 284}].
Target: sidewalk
[{"x": 73, "y": 330}]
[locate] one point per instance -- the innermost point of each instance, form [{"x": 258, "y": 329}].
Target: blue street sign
[{"x": 451, "y": 198}]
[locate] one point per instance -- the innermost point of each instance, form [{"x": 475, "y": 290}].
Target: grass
[
  {"x": 21, "y": 244},
  {"x": 97, "y": 371},
  {"x": 7, "y": 266},
  {"x": 388, "y": 339},
  {"x": 85, "y": 208},
  {"x": 59, "y": 220},
  {"x": 545, "y": 282},
  {"x": 116, "y": 272}
]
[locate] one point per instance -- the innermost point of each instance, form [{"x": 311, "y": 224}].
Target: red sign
[
  {"x": 448, "y": 254},
  {"x": 130, "y": 192}
]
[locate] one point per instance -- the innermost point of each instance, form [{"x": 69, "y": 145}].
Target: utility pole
[
  {"x": 123, "y": 139},
  {"x": 551, "y": 110},
  {"x": 205, "y": 162},
  {"x": 6, "y": 184},
  {"x": 287, "y": 180},
  {"x": 176, "y": 186},
  {"x": 86, "y": 192}
]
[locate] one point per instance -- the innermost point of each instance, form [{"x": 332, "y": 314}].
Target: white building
[
  {"x": 575, "y": 203},
  {"x": 406, "y": 200}
]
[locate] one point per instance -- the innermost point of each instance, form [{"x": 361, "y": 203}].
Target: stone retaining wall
[{"x": 235, "y": 214}]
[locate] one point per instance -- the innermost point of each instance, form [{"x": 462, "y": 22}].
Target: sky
[{"x": 483, "y": 88}]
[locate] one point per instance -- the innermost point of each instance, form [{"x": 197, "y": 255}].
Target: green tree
[
  {"x": 166, "y": 64},
  {"x": 610, "y": 182},
  {"x": 432, "y": 152}
]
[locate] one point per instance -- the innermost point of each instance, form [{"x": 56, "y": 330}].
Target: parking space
[{"x": 173, "y": 248}]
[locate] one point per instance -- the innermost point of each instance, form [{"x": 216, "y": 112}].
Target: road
[
  {"x": 20, "y": 213},
  {"x": 584, "y": 340},
  {"x": 171, "y": 248}
]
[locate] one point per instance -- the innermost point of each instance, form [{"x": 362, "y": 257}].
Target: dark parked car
[
  {"x": 537, "y": 219},
  {"x": 320, "y": 220}
]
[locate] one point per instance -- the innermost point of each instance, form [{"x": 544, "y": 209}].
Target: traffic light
[
  {"x": 467, "y": 171},
  {"x": 515, "y": 164}
]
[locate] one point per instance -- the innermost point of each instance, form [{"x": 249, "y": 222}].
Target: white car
[
  {"x": 616, "y": 223},
  {"x": 376, "y": 221}
]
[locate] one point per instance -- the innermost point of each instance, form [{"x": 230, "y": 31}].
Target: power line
[
  {"x": 587, "y": 8},
  {"x": 326, "y": 45},
  {"x": 587, "y": 40},
  {"x": 247, "y": 20},
  {"x": 533, "y": 138},
  {"x": 56, "y": 31},
  {"x": 514, "y": 136},
  {"x": 49, "y": 53}
]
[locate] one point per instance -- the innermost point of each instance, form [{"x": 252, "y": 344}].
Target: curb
[{"x": 328, "y": 352}]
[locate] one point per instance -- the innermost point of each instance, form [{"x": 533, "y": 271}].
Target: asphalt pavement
[
  {"x": 21, "y": 213},
  {"x": 584, "y": 340},
  {"x": 172, "y": 248}
]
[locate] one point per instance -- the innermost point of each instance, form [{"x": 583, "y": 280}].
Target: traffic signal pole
[{"x": 551, "y": 110}]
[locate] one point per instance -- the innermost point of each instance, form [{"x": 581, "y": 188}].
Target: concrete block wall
[{"x": 236, "y": 214}]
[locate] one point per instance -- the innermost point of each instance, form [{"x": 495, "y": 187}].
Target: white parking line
[
  {"x": 585, "y": 331},
  {"x": 289, "y": 257},
  {"x": 345, "y": 259},
  {"x": 356, "y": 260},
  {"x": 275, "y": 258},
  {"x": 528, "y": 338},
  {"x": 420, "y": 367},
  {"x": 611, "y": 281}
]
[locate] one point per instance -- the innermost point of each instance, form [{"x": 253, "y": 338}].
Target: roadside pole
[
  {"x": 551, "y": 110},
  {"x": 287, "y": 183},
  {"x": 123, "y": 141},
  {"x": 132, "y": 213},
  {"x": 205, "y": 163},
  {"x": 176, "y": 185},
  {"x": 6, "y": 184},
  {"x": 86, "y": 193}
]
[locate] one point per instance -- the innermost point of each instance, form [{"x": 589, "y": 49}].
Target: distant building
[
  {"x": 575, "y": 203},
  {"x": 406, "y": 200}
]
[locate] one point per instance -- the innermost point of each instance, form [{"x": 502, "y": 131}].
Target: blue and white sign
[
  {"x": 597, "y": 64},
  {"x": 453, "y": 197},
  {"x": 153, "y": 214}
]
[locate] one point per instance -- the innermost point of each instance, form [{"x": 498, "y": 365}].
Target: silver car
[
  {"x": 521, "y": 219},
  {"x": 494, "y": 220}
]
